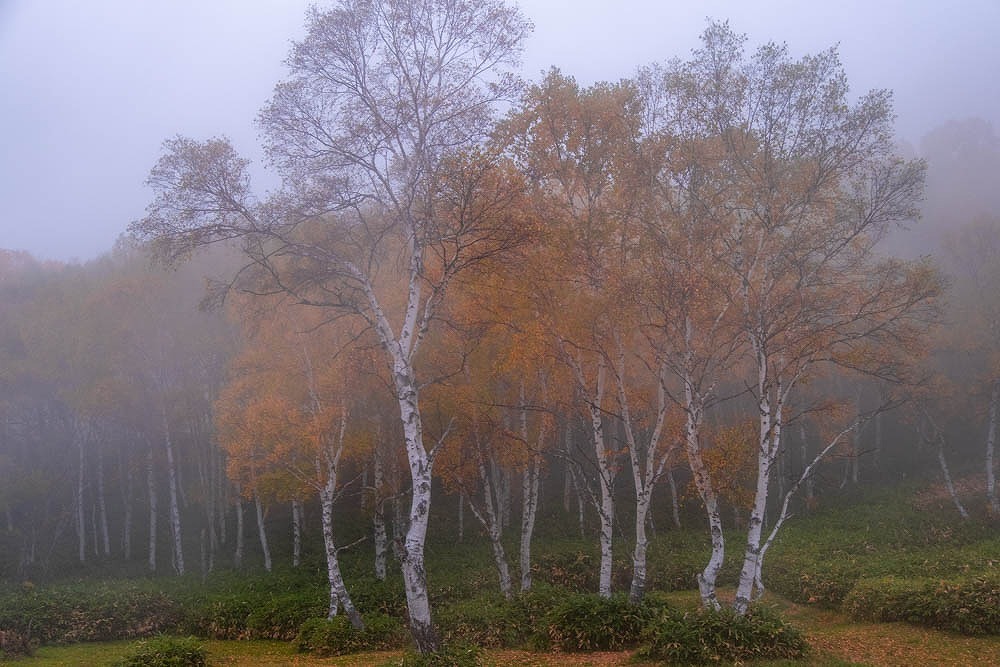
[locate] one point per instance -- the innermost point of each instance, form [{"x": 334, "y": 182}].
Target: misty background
[{"x": 91, "y": 90}]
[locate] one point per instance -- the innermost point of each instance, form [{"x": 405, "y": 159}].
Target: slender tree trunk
[
  {"x": 378, "y": 520},
  {"x": 175, "y": 512},
  {"x": 675, "y": 507},
  {"x": 461, "y": 517},
  {"x": 238, "y": 555},
  {"x": 529, "y": 510},
  {"x": 81, "y": 526},
  {"x": 414, "y": 573},
  {"x": 296, "y": 533},
  {"x": 703, "y": 483},
  {"x": 102, "y": 507},
  {"x": 490, "y": 520},
  {"x": 338, "y": 590},
  {"x": 529, "y": 493},
  {"x": 605, "y": 474},
  {"x": 804, "y": 444},
  {"x": 153, "y": 510},
  {"x": 127, "y": 492},
  {"x": 991, "y": 478},
  {"x": 262, "y": 532},
  {"x": 947, "y": 478},
  {"x": 768, "y": 444}
]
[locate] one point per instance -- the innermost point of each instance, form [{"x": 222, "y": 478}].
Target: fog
[{"x": 91, "y": 90}]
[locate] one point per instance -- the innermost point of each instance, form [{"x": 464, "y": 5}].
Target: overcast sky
[{"x": 89, "y": 89}]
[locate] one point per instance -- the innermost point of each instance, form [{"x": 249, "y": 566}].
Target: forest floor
[{"x": 836, "y": 641}]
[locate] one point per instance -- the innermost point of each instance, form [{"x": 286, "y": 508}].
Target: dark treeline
[{"x": 673, "y": 300}]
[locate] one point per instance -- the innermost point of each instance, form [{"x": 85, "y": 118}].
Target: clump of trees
[{"x": 678, "y": 273}]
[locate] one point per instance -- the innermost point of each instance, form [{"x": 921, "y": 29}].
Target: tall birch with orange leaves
[
  {"x": 810, "y": 184},
  {"x": 581, "y": 148},
  {"x": 286, "y": 422},
  {"x": 377, "y": 134},
  {"x": 505, "y": 399}
]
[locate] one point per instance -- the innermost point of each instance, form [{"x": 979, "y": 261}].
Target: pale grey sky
[{"x": 89, "y": 89}]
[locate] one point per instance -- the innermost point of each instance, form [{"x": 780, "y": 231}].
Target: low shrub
[
  {"x": 336, "y": 636},
  {"x": 692, "y": 638},
  {"x": 88, "y": 612},
  {"x": 166, "y": 651},
  {"x": 970, "y": 607},
  {"x": 573, "y": 566},
  {"x": 452, "y": 654},
  {"x": 221, "y": 616},
  {"x": 587, "y": 622},
  {"x": 490, "y": 621},
  {"x": 386, "y": 596},
  {"x": 14, "y": 644},
  {"x": 281, "y": 616}
]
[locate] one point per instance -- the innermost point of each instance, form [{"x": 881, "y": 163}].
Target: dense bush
[
  {"x": 14, "y": 644},
  {"x": 971, "y": 607},
  {"x": 586, "y": 622},
  {"x": 280, "y": 616},
  {"x": 220, "y": 616},
  {"x": 87, "y": 612},
  {"x": 712, "y": 636},
  {"x": 336, "y": 636},
  {"x": 452, "y": 654},
  {"x": 166, "y": 652}
]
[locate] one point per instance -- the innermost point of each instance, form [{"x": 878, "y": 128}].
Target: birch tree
[
  {"x": 383, "y": 97},
  {"x": 814, "y": 185}
]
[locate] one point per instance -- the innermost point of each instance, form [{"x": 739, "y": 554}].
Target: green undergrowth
[{"x": 880, "y": 558}]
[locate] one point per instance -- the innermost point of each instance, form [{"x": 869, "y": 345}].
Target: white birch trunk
[
  {"x": 81, "y": 527},
  {"x": 175, "y": 513},
  {"x": 127, "y": 514},
  {"x": 768, "y": 445},
  {"x": 606, "y": 474},
  {"x": 338, "y": 590},
  {"x": 946, "y": 473},
  {"x": 296, "y": 533},
  {"x": 262, "y": 532},
  {"x": 151, "y": 489},
  {"x": 647, "y": 464},
  {"x": 490, "y": 520},
  {"x": 675, "y": 506},
  {"x": 102, "y": 508},
  {"x": 240, "y": 530},
  {"x": 378, "y": 521},
  {"x": 529, "y": 511},
  {"x": 703, "y": 483},
  {"x": 414, "y": 573},
  {"x": 529, "y": 493}
]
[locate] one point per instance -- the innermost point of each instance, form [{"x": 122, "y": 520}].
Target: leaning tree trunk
[
  {"x": 262, "y": 532},
  {"x": 338, "y": 591},
  {"x": 768, "y": 444},
  {"x": 490, "y": 519},
  {"x": 703, "y": 483}
]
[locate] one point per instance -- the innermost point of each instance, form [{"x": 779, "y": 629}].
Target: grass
[
  {"x": 813, "y": 566},
  {"x": 837, "y": 641}
]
